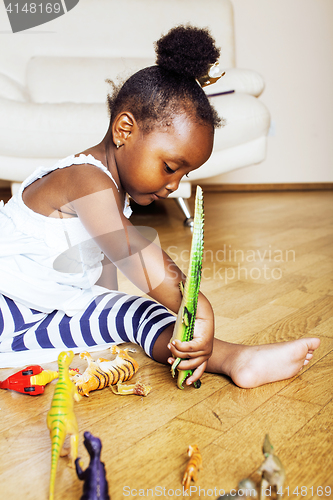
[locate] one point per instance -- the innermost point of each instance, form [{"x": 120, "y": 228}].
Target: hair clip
[{"x": 213, "y": 75}]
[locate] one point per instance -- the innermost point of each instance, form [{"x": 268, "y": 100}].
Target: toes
[
  {"x": 313, "y": 343},
  {"x": 308, "y": 357}
]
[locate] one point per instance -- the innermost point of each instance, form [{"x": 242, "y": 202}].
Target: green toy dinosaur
[
  {"x": 61, "y": 418},
  {"x": 184, "y": 326}
]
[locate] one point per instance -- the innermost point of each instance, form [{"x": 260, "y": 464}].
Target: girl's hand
[{"x": 197, "y": 351}]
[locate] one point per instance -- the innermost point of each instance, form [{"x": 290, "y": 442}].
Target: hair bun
[{"x": 187, "y": 50}]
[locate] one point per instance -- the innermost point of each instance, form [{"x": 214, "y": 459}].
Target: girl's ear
[{"x": 122, "y": 128}]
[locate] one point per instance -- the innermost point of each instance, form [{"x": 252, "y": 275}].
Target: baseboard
[{"x": 297, "y": 186}]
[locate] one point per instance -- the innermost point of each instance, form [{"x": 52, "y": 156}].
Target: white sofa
[{"x": 53, "y": 90}]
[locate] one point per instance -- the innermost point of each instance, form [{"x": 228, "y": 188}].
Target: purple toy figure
[{"x": 95, "y": 483}]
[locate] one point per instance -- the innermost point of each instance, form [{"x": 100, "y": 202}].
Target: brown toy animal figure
[
  {"x": 193, "y": 466},
  {"x": 272, "y": 471},
  {"x": 139, "y": 389}
]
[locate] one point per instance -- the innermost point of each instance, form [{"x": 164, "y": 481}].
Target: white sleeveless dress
[{"x": 30, "y": 244}]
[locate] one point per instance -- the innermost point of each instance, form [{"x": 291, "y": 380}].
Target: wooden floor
[{"x": 274, "y": 285}]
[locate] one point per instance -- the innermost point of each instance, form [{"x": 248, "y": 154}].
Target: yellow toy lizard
[
  {"x": 61, "y": 419},
  {"x": 46, "y": 376}
]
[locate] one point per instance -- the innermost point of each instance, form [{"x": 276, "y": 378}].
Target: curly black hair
[{"x": 154, "y": 95}]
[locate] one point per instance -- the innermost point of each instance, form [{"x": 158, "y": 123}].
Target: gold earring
[{"x": 118, "y": 144}]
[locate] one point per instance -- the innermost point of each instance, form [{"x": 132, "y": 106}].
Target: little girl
[{"x": 68, "y": 218}]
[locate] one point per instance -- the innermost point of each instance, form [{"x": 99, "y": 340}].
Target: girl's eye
[{"x": 168, "y": 169}]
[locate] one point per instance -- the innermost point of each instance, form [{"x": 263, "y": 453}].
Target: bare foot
[{"x": 252, "y": 366}]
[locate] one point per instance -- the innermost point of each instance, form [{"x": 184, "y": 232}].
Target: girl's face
[{"x": 151, "y": 166}]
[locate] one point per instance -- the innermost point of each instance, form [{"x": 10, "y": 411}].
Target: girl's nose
[{"x": 173, "y": 185}]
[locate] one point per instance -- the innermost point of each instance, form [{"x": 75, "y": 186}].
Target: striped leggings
[{"x": 28, "y": 336}]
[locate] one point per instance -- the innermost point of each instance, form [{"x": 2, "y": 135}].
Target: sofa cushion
[
  {"x": 10, "y": 89},
  {"x": 30, "y": 130},
  {"x": 78, "y": 80},
  {"x": 246, "y": 118}
]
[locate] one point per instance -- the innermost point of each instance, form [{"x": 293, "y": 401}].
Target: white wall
[{"x": 290, "y": 42}]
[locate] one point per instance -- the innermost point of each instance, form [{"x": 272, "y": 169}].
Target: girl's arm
[
  {"x": 134, "y": 251},
  {"x": 108, "y": 278},
  {"x": 144, "y": 263}
]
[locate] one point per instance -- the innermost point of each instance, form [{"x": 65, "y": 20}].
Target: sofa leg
[{"x": 183, "y": 205}]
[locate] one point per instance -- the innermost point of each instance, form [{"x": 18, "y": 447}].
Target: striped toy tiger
[{"x": 103, "y": 372}]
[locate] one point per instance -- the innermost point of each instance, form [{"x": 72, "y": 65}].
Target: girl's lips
[{"x": 156, "y": 197}]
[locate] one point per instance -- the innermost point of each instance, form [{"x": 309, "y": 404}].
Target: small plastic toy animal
[
  {"x": 193, "y": 466},
  {"x": 95, "y": 483},
  {"x": 61, "y": 418},
  {"x": 92, "y": 379},
  {"x": 272, "y": 470},
  {"x": 246, "y": 491},
  {"x": 184, "y": 326},
  {"x": 103, "y": 372},
  {"x": 139, "y": 389},
  {"x": 120, "y": 369}
]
